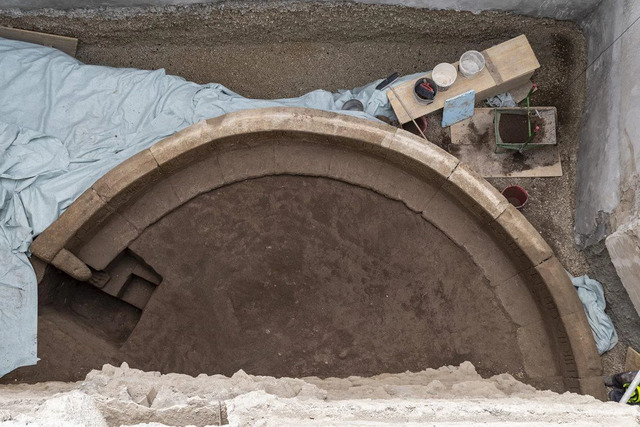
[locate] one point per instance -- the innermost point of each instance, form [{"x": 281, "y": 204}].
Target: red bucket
[
  {"x": 420, "y": 121},
  {"x": 516, "y": 195}
]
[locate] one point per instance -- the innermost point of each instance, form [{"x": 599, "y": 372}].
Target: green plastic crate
[{"x": 517, "y": 146}]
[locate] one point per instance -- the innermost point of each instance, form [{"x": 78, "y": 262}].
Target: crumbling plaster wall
[
  {"x": 559, "y": 9},
  {"x": 607, "y": 158},
  {"x": 608, "y": 195}
]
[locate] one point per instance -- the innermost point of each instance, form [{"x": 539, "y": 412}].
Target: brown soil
[
  {"x": 309, "y": 277},
  {"x": 291, "y": 48},
  {"x": 514, "y": 128},
  {"x": 289, "y": 276}
]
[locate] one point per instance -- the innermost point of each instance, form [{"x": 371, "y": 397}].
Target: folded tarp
[{"x": 591, "y": 294}]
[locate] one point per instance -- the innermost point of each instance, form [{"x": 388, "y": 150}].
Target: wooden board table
[
  {"x": 508, "y": 65},
  {"x": 473, "y": 141}
]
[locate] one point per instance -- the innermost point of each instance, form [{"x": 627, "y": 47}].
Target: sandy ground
[
  {"x": 276, "y": 49},
  {"x": 447, "y": 396}
]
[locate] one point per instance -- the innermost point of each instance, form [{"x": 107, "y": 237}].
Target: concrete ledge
[
  {"x": 580, "y": 338},
  {"x": 109, "y": 241},
  {"x": 87, "y": 210},
  {"x": 454, "y": 219},
  {"x": 70, "y": 264},
  {"x": 551, "y": 287},
  {"x": 476, "y": 194},
  {"x": 523, "y": 241},
  {"x": 255, "y": 143},
  {"x": 180, "y": 149},
  {"x": 128, "y": 179},
  {"x": 248, "y": 127},
  {"x": 304, "y": 159},
  {"x": 553, "y": 278},
  {"x": 433, "y": 162}
]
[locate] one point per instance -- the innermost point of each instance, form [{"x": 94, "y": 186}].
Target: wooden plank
[
  {"x": 632, "y": 361},
  {"x": 68, "y": 45},
  {"x": 473, "y": 142},
  {"x": 482, "y": 83},
  {"x": 483, "y": 121},
  {"x": 509, "y": 64},
  {"x": 513, "y": 58}
]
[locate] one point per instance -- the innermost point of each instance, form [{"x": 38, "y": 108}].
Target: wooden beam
[
  {"x": 68, "y": 45},
  {"x": 508, "y": 65}
]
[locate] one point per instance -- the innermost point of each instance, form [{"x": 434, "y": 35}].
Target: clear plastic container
[{"x": 471, "y": 63}]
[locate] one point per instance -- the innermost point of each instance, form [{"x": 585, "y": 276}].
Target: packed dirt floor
[
  {"x": 286, "y": 49},
  {"x": 297, "y": 276},
  {"x": 451, "y": 395},
  {"x": 339, "y": 292}
]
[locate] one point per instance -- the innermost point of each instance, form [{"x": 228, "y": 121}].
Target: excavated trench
[
  {"x": 291, "y": 242},
  {"x": 296, "y": 276}
]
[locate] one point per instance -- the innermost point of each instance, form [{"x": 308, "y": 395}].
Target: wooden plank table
[
  {"x": 473, "y": 141},
  {"x": 68, "y": 45},
  {"x": 508, "y": 65}
]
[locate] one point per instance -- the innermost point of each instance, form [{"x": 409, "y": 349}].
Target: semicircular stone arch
[{"x": 505, "y": 300}]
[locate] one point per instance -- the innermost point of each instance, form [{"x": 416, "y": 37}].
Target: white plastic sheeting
[{"x": 64, "y": 124}]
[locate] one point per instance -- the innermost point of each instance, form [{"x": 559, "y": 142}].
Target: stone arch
[{"x": 529, "y": 282}]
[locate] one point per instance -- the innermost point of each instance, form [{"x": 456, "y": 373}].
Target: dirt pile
[{"x": 123, "y": 396}]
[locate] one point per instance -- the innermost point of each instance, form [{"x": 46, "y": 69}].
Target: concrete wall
[
  {"x": 609, "y": 155},
  {"x": 599, "y": 175},
  {"x": 559, "y": 9}
]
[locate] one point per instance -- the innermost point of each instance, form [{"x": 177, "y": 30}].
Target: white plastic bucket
[
  {"x": 444, "y": 75},
  {"x": 471, "y": 63}
]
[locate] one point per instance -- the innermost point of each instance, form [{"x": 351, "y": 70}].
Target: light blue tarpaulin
[
  {"x": 591, "y": 294},
  {"x": 64, "y": 124}
]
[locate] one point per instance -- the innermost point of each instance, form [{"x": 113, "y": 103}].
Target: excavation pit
[{"x": 294, "y": 242}]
